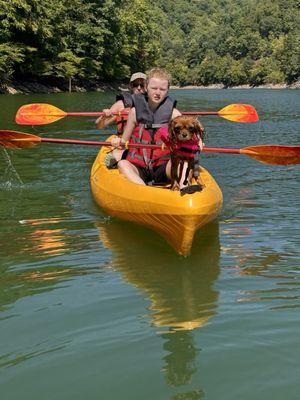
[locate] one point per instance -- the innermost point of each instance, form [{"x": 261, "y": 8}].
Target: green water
[{"x": 89, "y": 305}]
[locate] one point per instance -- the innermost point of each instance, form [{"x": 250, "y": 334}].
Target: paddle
[
  {"x": 268, "y": 154},
  {"x": 43, "y": 114}
]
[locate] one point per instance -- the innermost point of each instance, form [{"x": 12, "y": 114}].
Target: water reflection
[
  {"x": 47, "y": 242},
  {"x": 280, "y": 288},
  {"x": 36, "y": 238},
  {"x": 272, "y": 269},
  {"x": 181, "y": 291},
  {"x": 193, "y": 395},
  {"x": 44, "y": 254},
  {"x": 15, "y": 285},
  {"x": 180, "y": 362}
]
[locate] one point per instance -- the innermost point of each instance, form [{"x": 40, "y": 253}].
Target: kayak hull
[{"x": 173, "y": 216}]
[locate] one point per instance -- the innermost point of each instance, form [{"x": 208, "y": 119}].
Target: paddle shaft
[
  {"x": 136, "y": 145},
  {"x": 229, "y": 150},
  {"x": 268, "y": 154},
  {"x": 43, "y": 113},
  {"x": 75, "y": 141},
  {"x": 122, "y": 113}
]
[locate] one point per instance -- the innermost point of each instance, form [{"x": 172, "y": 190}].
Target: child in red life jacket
[{"x": 148, "y": 123}]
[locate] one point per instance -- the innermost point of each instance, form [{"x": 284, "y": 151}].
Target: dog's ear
[
  {"x": 172, "y": 134},
  {"x": 199, "y": 129}
]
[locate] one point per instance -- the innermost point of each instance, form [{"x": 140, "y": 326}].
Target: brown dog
[{"x": 185, "y": 133}]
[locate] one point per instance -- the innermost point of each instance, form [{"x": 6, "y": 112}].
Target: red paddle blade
[
  {"x": 38, "y": 114},
  {"x": 239, "y": 113},
  {"x": 18, "y": 140},
  {"x": 274, "y": 154}
]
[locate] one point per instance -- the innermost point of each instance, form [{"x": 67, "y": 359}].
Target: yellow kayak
[{"x": 173, "y": 216}]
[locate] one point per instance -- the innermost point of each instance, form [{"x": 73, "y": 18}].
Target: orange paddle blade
[
  {"x": 239, "y": 113},
  {"x": 274, "y": 154},
  {"x": 38, "y": 114},
  {"x": 18, "y": 140}
]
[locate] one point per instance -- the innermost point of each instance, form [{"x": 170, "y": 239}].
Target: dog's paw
[
  {"x": 191, "y": 189},
  {"x": 199, "y": 183}
]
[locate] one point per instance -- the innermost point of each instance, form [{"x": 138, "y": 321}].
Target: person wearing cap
[{"x": 124, "y": 101}]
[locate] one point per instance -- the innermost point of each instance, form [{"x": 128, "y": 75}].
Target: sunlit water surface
[{"x": 95, "y": 308}]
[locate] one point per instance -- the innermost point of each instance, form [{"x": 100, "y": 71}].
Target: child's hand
[
  {"x": 107, "y": 112},
  {"x": 118, "y": 142}
]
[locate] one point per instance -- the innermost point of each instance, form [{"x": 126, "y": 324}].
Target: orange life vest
[{"x": 121, "y": 120}]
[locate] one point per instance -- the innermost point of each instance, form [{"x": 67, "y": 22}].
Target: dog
[{"x": 185, "y": 135}]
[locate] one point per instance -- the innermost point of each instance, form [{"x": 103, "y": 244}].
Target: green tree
[
  {"x": 10, "y": 56},
  {"x": 200, "y": 42}
]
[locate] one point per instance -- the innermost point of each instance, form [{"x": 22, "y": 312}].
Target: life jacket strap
[
  {"x": 153, "y": 126},
  {"x": 186, "y": 150}
]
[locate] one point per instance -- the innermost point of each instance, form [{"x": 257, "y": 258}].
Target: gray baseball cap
[{"x": 137, "y": 75}]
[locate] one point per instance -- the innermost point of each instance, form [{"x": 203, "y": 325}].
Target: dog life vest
[
  {"x": 152, "y": 128},
  {"x": 121, "y": 120},
  {"x": 188, "y": 148}
]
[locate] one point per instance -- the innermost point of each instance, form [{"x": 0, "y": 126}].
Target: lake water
[{"x": 95, "y": 308}]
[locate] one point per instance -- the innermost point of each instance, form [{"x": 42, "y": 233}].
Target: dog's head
[{"x": 184, "y": 128}]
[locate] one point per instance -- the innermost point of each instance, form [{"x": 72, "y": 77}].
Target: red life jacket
[
  {"x": 187, "y": 148},
  {"x": 148, "y": 157},
  {"x": 152, "y": 128}
]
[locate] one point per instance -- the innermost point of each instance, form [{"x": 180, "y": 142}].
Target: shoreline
[
  {"x": 275, "y": 86},
  {"x": 31, "y": 87}
]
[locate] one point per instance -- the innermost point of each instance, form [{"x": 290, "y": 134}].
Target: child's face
[{"x": 157, "y": 90}]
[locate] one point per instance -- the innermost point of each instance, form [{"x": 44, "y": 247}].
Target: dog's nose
[{"x": 184, "y": 134}]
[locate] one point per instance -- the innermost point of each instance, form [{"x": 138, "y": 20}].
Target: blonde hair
[{"x": 159, "y": 73}]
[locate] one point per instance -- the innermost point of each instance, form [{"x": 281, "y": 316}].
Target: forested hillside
[{"x": 201, "y": 42}]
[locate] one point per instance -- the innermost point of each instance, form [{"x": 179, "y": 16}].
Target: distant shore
[
  {"x": 295, "y": 85},
  {"x": 37, "y": 87}
]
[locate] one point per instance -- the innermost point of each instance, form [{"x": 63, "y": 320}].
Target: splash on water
[{"x": 10, "y": 179}]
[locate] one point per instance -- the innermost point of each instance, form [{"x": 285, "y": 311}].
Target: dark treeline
[{"x": 201, "y": 42}]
